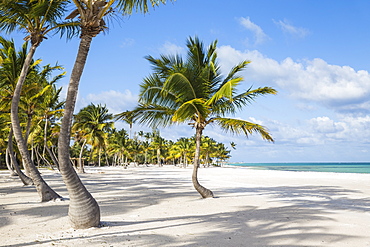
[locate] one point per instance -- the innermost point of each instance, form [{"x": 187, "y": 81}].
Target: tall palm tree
[
  {"x": 94, "y": 123},
  {"x": 185, "y": 147},
  {"x": 10, "y": 66},
  {"x": 157, "y": 144},
  {"x": 208, "y": 147},
  {"x": 118, "y": 145},
  {"x": 194, "y": 91},
  {"x": 47, "y": 108},
  {"x": 127, "y": 118},
  {"x": 37, "y": 19},
  {"x": 84, "y": 211},
  {"x": 9, "y": 73},
  {"x": 221, "y": 153}
]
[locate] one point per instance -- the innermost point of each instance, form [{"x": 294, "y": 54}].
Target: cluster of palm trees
[
  {"x": 38, "y": 110},
  {"x": 97, "y": 142},
  {"x": 190, "y": 90},
  {"x": 37, "y": 19},
  {"x": 194, "y": 91}
]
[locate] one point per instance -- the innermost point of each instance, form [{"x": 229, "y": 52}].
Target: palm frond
[
  {"x": 36, "y": 18},
  {"x": 152, "y": 115},
  {"x": 128, "y": 6},
  {"x": 225, "y": 106},
  {"x": 194, "y": 109},
  {"x": 237, "y": 126},
  {"x": 179, "y": 85},
  {"x": 236, "y": 69},
  {"x": 250, "y": 95},
  {"x": 226, "y": 91}
]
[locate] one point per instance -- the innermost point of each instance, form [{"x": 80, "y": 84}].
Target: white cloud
[
  {"x": 346, "y": 129},
  {"x": 170, "y": 48},
  {"x": 128, "y": 42},
  {"x": 286, "y": 27},
  {"x": 337, "y": 87},
  {"x": 357, "y": 128},
  {"x": 257, "y": 31},
  {"x": 323, "y": 130},
  {"x": 326, "y": 125},
  {"x": 115, "y": 101}
]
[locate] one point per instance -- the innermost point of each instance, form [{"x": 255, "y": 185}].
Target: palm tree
[
  {"x": 157, "y": 144},
  {"x": 184, "y": 147},
  {"x": 194, "y": 91},
  {"x": 118, "y": 145},
  {"x": 10, "y": 71},
  {"x": 221, "y": 153},
  {"x": 37, "y": 19},
  {"x": 93, "y": 123},
  {"x": 127, "y": 118},
  {"x": 51, "y": 109},
  {"x": 233, "y": 145},
  {"x": 207, "y": 150},
  {"x": 84, "y": 211}
]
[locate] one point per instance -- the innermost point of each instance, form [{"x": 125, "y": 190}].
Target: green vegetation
[
  {"x": 36, "y": 127},
  {"x": 193, "y": 91}
]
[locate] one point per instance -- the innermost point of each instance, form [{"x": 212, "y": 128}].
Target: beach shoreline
[{"x": 157, "y": 206}]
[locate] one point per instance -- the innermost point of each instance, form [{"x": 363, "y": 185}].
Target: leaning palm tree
[
  {"x": 37, "y": 19},
  {"x": 10, "y": 71},
  {"x": 84, "y": 211},
  {"x": 194, "y": 91}
]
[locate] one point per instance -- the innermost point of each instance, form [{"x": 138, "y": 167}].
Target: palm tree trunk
[
  {"x": 44, "y": 159},
  {"x": 99, "y": 155},
  {"x": 204, "y": 192},
  {"x": 52, "y": 156},
  {"x": 28, "y": 127},
  {"x": 80, "y": 166},
  {"x": 8, "y": 164},
  {"x": 84, "y": 211},
  {"x": 43, "y": 189},
  {"x": 106, "y": 158},
  {"x": 159, "y": 157},
  {"x": 24, "y": 178},
  {"x": 185, "y": 160}
]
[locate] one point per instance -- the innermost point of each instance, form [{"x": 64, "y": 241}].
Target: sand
[{"x": 157, "y": 206}]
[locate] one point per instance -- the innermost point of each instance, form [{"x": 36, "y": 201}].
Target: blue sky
[{"x": 315, "y": 53}]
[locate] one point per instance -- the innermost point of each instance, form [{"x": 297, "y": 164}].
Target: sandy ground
[{"x": 157, "y": 206}]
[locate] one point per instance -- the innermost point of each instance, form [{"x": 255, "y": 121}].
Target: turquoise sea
[{"x": 341, "y": 167}]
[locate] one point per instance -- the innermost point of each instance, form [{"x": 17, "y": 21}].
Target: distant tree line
[{"x": 36, "y": 127}]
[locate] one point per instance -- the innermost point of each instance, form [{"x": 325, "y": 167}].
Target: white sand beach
[{"x": 157, "y": 206}]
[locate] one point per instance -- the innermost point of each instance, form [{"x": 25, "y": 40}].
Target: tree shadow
[
  {"x": 300, "y": 221},
  {"x": 250, "y": 226},
  {"x": 329, "y": 197}
]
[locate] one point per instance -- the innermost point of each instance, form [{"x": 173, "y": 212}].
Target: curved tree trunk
[
  {"x": 46, "y": 147},
  {"x": 28, "y": 126},
  {"x": 43, "y": 189},
  {"x": 204, "y": 192},
  {"x": 8, "y": 164},
  {"x": 84, "y": 211},
  {"x": 25, "y": 179},
  {"x": 43, "y": 158},
  {"x": 80, "y": 167}
]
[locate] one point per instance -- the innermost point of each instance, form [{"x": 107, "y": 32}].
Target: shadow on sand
[{"x": 246, "y": 226}]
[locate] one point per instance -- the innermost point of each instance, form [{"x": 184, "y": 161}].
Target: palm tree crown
[
  {"x": 194, "y": 91},
  {"x": 36, "y": 18}
]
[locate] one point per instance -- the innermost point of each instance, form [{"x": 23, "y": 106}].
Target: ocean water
[{"x": 341, "y": 167}]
